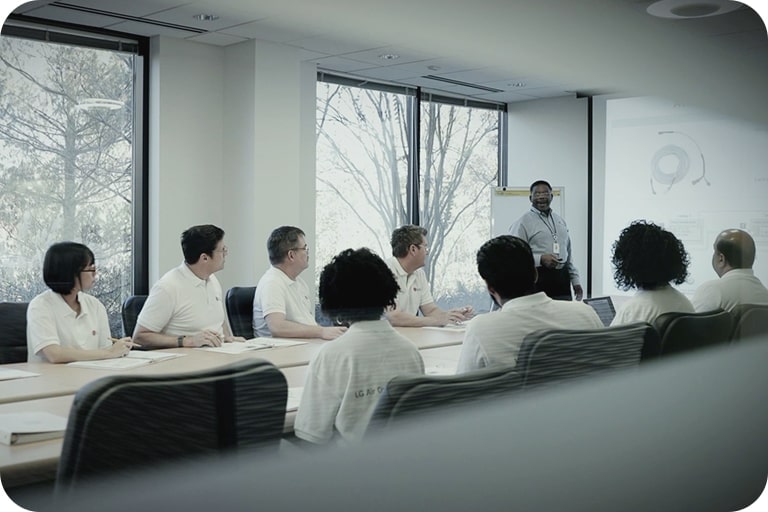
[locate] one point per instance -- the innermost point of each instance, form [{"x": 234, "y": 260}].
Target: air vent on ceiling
[
  {"x": 127, "y": 17},
  {"x": 463, "y": 84}
]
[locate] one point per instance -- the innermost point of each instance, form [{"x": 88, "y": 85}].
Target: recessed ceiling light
[
  {"x": 389, "y": 56},
  {"x": 516, "y": 84},
  {"x": 205, "y": 17},
  {"x": 685, "y": 9},
  {"x": 433, "y": 68}
]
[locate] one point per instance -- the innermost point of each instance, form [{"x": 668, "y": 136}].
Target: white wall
[
  {"x": 232, "y": 144},
  {"x": 548, "y": 140},
  {"x": 185, "y": 146}
]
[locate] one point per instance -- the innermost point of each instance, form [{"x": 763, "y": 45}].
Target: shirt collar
[
  {"x": 283, "y": 276},
  {"x": 739, "y": 272},
  {"x": 190, "y": 276},
  {"x": 536, "y": 299},
  {"x": 399, "y": 270},
  {"x": 380, "y": 325}
]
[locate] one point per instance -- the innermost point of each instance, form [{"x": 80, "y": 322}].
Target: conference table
[{"x": 53, "y": 390}]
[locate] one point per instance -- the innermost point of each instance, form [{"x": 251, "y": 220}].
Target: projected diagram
[{"x": 672, "y": 163}]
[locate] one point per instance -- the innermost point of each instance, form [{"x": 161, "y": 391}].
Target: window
[
  {"x": 367, "y": 178},
  {"x": 458, "y": 166},
  {"x": 362, "y": 169},
  {"x": 67, "y": 160}
]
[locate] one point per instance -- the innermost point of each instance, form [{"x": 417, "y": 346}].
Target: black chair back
[
  {"x": 408, "y": 396},
  {"x": 239, "y": 304},
  {"x": 682, "y": 332},
  {"x": 131, "y": 309},
  {"x": 13, "y": 332},
  {"x": 555, "y": 355},
  {"x": 128, "y": 422},
  {"x": 749, "y": 320}
]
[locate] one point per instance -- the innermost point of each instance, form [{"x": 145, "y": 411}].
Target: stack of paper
[
  {"x": 236, "y": 347},
  {"x": 133, "y": 359},
  {"x": 276, "y": 342},
  {"x": 13, "y": 373},
  {"x": 25, "y": 427}
]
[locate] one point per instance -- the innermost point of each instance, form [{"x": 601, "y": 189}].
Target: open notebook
[
  {"x": 134, "y": 359},
  {"x": 26, "y": 427},
  {"x": 604, "y": 308}
]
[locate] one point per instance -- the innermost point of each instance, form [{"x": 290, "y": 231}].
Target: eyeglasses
[
  {"x": 305, "y": 248},
  {"x": 425, "y": 246},
  {"x": 222, "y": 250},
  {"x": 89, "y": 270}
]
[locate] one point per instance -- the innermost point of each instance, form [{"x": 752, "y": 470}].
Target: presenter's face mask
[{"x": 541, "y": 197}]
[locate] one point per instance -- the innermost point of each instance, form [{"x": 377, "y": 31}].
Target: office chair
[
  {"x": 408, "y": 396},
  {"x": 749, "y": 320},
  {"x": 554, "y": 355},
  {"x": 13, "y": 326},
  {"x": 682, "y": 332},
  {"x": 130, "y": 312},
  {"x": 128, "y": 422},
  {"x": 239, "y": 304}
]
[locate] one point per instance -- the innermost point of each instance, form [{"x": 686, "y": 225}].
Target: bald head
[{"x": 737, "y": 249}]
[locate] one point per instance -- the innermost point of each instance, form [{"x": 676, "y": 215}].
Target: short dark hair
[
  {"x": 63, "y": 263},
  {"x": 282, "y": 240},
  {"x": 540, "y": 182},
  {"x": 356, "y": 285},
  {"x": 506, "y": 264},
  {"x": 199, "y": 240},
  {"x": 404, "y": 237},
  {"x": 737, "y": 247},
  {"x": 647, "y": 256}
]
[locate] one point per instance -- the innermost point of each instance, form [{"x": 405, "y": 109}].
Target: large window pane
[
  {"x": 458, "y": 165},
  {"x": 362, "y": 169},
  {"x": 66, "y": 168}
]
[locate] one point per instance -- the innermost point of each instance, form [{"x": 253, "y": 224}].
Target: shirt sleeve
[
  {"x": 706, "y": 298},
  {"x": 319, "y": 406},
  {"x": 273, "y": 298},
  {"x": 158, "y": 309},
  {"x": 105, "y": 333},
  {"x": 472, "y": 356},
  {"x": 573, "y": 272},
  {"x": 41, "y": 327}
]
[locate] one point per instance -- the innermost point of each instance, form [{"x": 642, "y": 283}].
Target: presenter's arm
[
  {"x": 150, "y": 339},
  {"x": 282, "y": 328}
]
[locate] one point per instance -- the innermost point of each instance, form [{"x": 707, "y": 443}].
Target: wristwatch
[{"x": 180, "y": 341}]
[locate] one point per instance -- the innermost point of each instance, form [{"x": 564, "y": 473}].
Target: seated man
[
  {"x": 349, "y": 373},
  {"x": 732, "y": 261},
  {"x": 281, "y": 303},
  {"x": 409, "y": 251},
  {"x": 185, "y": 307},
  {"x": 506, "y": 265}
]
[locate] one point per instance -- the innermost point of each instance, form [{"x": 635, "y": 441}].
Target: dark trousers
[{"x": 555, "y": 283}]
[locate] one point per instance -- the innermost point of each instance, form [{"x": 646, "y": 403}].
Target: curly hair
[
  {"x": 646, "y": 256},
  {"x": 356, "y": 285}
]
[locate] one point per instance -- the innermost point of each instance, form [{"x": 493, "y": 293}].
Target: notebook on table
[{"x": 603, "y": 306}]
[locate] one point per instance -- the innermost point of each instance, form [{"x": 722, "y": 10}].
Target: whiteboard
[{"x": 509, "y": 203}]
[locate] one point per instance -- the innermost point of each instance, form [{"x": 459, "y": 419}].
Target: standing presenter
[{"x": 547, "y": 234}]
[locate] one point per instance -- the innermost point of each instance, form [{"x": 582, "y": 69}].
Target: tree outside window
[
  {"x": 66, "y": 172},
  {"x": 363, "y": 180}
]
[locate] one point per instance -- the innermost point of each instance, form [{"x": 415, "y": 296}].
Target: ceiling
[{"x": 504, "y": 51}]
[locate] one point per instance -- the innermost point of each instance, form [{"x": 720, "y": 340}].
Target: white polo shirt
[
  {"x": 278, "y": 293},
  {"x": 50, "y": 321},
  {"x": 347, "y": 377},
  {"x": 494, "y": 339},
  {"x": 737, "y": 286},
  {"x": 182, "y": 304},
  {"x": 414, "y": 289}
]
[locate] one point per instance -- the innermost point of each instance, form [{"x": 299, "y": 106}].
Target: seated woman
[
  {"x": 63, "y": 323},
  {"x": 648, "y": 258},
  {"x": 349, "y": 373}
]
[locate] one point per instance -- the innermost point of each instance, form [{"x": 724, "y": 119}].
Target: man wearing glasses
[
  {"x": 409, "y": 253},
  {"x": 185, "y": 307},
  {"x": 547, "y": 234},
  {"x": 282, "y": 306}
]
